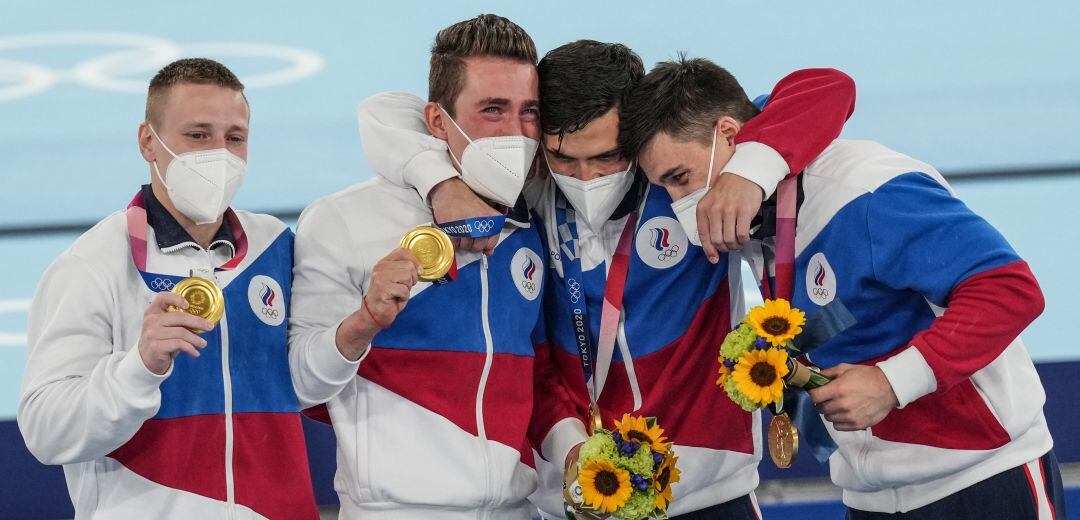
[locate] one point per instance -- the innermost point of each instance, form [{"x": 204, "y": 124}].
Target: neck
[{"x": 203, "y": 234}]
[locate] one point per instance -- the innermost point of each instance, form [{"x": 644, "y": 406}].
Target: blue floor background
[{"x": 971, "y": 87}]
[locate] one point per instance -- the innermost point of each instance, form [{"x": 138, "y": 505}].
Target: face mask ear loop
[
  {"x": 154, "y": 133},
  {"x": 166, "y": 147},
  {"x": 712, "y": 156},
  {"x": 466, "y": 136}
]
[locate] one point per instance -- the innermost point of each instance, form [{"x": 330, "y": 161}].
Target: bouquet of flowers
[
  {"x": 758, "y": 358},
  {"x": 624, "y": 473}
]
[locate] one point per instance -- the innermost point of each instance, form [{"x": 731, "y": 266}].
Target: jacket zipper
[
  {"x": 226, "y": 378},
  {"x": 490, "y": 348}
]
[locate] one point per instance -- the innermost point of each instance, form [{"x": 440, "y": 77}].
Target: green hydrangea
[
  {"x": 738, "y": 342},
  {"x": 599, "y": 447},
  {"x": 740, "y": 399},
  {"x": 641, "y": 463},
  {"x": 640, "y": 505}
]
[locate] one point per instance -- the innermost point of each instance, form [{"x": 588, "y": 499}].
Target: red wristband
[{"x": 373, "y": 318}]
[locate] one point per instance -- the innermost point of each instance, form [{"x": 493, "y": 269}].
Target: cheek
[
  {"x": 677, "y": 192},
  {"x": 238, "y": 149},
  {"x": 531, "y": 129}
]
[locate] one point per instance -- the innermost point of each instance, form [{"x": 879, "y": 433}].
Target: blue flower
[
  {"x": 657, "y": 458},
  {"x": 639, "y": 482},
  {"x": 628, "y": 448},
  {"x": 760, "y": 343}
]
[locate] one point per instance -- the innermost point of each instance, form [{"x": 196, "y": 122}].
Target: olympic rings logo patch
[
  {"x": 267, "y": 300},
  {"x": 527, "y": 271},
  {"x": 660, "y": 242}
]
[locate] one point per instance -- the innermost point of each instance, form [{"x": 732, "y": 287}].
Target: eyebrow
[
  {"x": 493, "y": 101},
  {"x": 558, "y": 152},
  {"x": 666, "y": 177},
  {"x": 208, "y": 126},
  {"x": 610, "y": 153}
]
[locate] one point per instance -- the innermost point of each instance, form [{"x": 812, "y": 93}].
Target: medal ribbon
[
  {"x": 476, "y": 227},
  {"x": 573, "y": 282},
  {"x": 802, "y": 412},
  {"x": 136, "y": 225}
]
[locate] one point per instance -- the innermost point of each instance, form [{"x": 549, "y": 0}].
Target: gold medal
[
  {"x": 204, "y": 298},
  {"x": 432, "y": 248},
  {"x": 595, "y": 422},
  {"x": 783, "y": 441}
]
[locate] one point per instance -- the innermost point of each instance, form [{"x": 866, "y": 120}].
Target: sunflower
[
  {"x": 724, "y": 371},
  {"x": 603, "y": 486},
  {"x": 777, "y": 321},
  {"x": 637, "y": 429},
  {"x": 666, "y": 475},
  {"x": 759, "y": 375}
]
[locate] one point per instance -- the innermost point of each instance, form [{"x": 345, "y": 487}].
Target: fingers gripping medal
[
  {"x": 204, "y": 299},
  {"x": 433, "y": 249}
]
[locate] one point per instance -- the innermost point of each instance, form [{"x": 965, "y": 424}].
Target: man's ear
[
  {"x": 146, "y": 143},
  {"x": 436, "y": 120},
  {"x": 728, "y": 127}
]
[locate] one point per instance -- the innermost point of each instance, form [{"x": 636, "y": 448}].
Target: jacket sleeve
[
  {"x": 325, "y": 290},
  {"x": 397, "y": 144},
  {"x": 805, "y": 112},
  {"x": 82, "y": 396},
  {"x": 926, "y": 240}
]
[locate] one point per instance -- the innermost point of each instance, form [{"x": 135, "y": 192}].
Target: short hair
[
  {"x": 583, "y": 80},
  {"x": 485, "y": 35},
  {"x": 683, "y": 98},
  {"x": 196, "y": 71}
]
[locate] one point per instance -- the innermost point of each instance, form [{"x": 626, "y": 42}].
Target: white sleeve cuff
[
  {"x": 427, "y": 169},
  {"x": 562, "y": 438},
  {"x": 326, "y": 362},
  {"x": 132, "y": 371},
  {"x": 909, "y": 374},
  {"x": 758, "y": 163}
]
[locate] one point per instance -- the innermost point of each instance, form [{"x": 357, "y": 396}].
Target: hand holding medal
[
  {"x": 757, "y": 360},
  {"x": 171, "y": 324}
]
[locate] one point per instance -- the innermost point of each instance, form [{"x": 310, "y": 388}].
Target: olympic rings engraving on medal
[
  {"x": 575, "y": 290},
  {"x": 161, "y": 284},
  {"x": 137, "y": 56}
]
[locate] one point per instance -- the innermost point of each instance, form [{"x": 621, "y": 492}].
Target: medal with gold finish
[
  {"x": 432, "y": 248},
  {"x": 783, "y": 441},
  {"x": 204, "y": 298},
  {"x": 595, "y": 422}
]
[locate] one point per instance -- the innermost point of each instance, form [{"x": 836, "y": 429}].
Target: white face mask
[
  {"x": 495, "y": 167},
  {"x": 686, "y": 208},
  {"x": 596, "y": 199},
  {"x": 201, "y": 184}
]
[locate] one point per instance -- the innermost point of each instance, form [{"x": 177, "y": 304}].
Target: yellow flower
[
  {"x": 759, "y": 375},
  {"x": 777, "y": 321},
  {"x": 666, "y": 475},
  {"x": 603, "y": 486},
  {"x": 724, "y": 372},
  {"x": 637, "y": 429}
]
